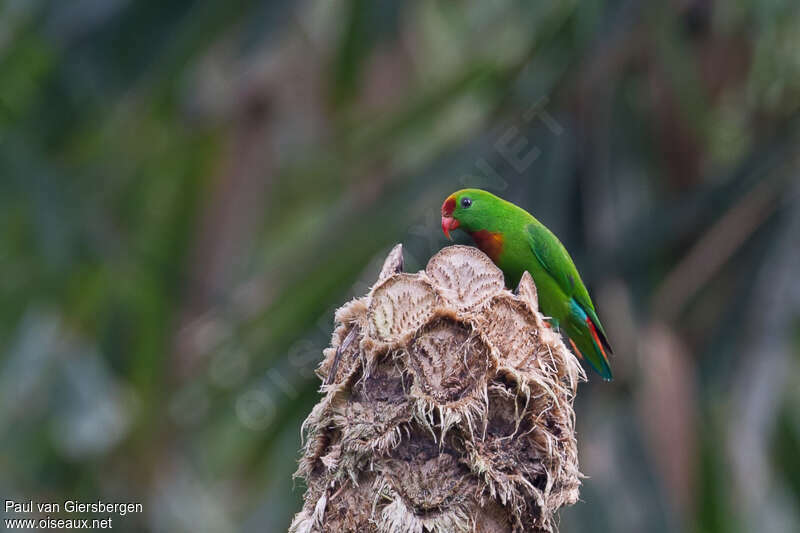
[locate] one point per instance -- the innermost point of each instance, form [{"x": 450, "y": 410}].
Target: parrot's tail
[{"x": 586, "y": 341}]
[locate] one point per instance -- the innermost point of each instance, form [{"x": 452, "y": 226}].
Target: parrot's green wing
[{"x": 554, "y": 258}]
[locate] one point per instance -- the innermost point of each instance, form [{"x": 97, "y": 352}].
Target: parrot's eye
[{"x": 466, "y": 202}]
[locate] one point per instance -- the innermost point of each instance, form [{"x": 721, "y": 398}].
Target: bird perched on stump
[{"x": 517, "y": 242}]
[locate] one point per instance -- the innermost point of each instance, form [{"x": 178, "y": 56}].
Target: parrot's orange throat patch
[{"x": 490, "y": 243}]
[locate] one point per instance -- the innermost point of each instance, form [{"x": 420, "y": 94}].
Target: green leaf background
[{"x": 188, "y": 189}]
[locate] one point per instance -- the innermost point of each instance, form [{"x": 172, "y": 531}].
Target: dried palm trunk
[{"x": 447, "y": 408}]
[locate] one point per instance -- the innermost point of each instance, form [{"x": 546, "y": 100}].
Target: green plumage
[{"x": 517, "y": 242}]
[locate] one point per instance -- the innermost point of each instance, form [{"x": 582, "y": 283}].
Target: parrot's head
[{"x": 469, "y": 210}]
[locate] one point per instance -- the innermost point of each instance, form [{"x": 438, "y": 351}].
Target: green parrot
[{"x": 517, "y": 242}]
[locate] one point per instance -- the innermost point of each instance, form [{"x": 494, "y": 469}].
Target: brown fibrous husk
[{"x": 447, "y": 407}]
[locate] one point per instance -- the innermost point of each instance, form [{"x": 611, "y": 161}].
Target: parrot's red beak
[{"x": 448, "y": 222}]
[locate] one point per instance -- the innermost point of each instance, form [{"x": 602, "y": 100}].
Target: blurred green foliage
[{"x": 188, "y": 189}]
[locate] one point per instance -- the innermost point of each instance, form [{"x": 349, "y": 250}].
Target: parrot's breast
[{"x": 490, "y": 243}]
